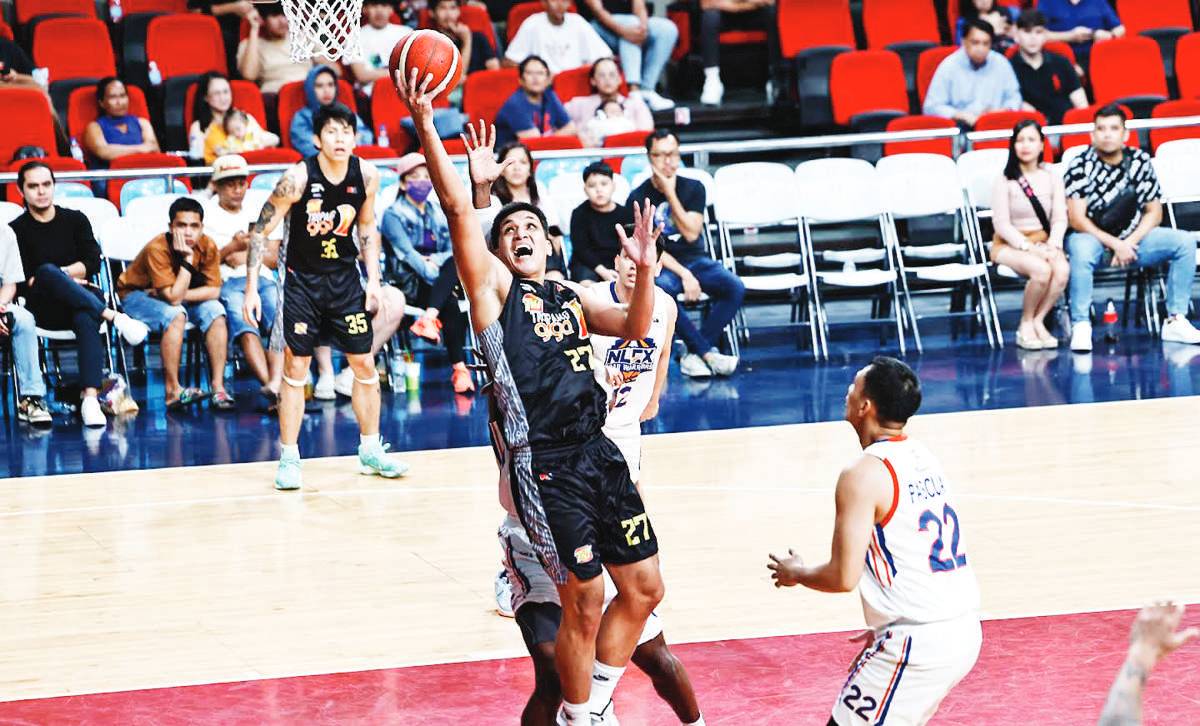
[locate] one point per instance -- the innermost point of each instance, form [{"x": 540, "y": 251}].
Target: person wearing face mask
[{"x": 418, "y": 238}]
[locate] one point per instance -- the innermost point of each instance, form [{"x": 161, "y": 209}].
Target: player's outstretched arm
[
  {"x": 287, "y": 192},
  {"x": 1155, "y": 635},
  {"x": 633, "y": 322}
]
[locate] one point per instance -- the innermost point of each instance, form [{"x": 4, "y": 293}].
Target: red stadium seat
[
  {"x": 1006, "y": 120},
  {"x": 1170, "y": 109},
  {"x": 142, "y": 161},
  {"x": 1163, "y": 21},
  {"x": 74, "y": 48},
  {"x": 57, "y": 163},
  {"x": 1085, "y": 116},
  {"x": 1052, "y": 46},
  {"x": 907, "y": 27},
  {"x": 1129, "y": 71},
  {"x": 246, "y": 96},
  {"x": 83, "y": 109},
  {"x": 1187, "y": 65},
  {"x": 553, "y": 143},
  {"x": 388, "y": 110},
  {"x": 945, "y": 146},
  {"x": 27, "y": 120},
  {"x": 186, "y": 45},
  {"x": 683, "y": 23},
  {"x": 131, "y": 7},
  {"x": 29, "y": 9},
  {"x": 486, "y": 91},
  {"x": 927, "y": 65},
  {"x": 811, "y": 34},
  {"x": 473, "y": 16},
  {"x": 627, "y": 138},
  {"x": 867, "y": 89},
  {"x": 271, "y": 156},
  {"x": 519, "y": 12},
  {"x": 375, "y": 152},
  {"x": 575, "y": 82},
  {"x": 291, "y": 100},
  {"x": 5, "y": 31}
]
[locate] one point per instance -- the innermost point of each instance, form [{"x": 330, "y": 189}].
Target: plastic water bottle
[
  {"x": 1110, "y": 322},
  {"x": 114, "y": 10},
  {"x": 76, "y": 149},
  {"x": 155, "y": 75},
  {"x": 382, "y": 138}
]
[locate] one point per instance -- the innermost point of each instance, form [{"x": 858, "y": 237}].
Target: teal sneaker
[
  {"x": 373, "y": 460},
  {"x": 287, "y": 477}
]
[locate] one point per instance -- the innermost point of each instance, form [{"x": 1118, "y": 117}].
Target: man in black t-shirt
[
  {"x": 687, "y": 269},
  {"x": 1048, "y": 81},
  {"x": 15, "y": 67},
  {"x": 594, "y": 241}
]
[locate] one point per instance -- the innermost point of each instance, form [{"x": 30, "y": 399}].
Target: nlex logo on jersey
[
  {"x": 554, "y": 325},
  {"x": 631, "y": 358}
]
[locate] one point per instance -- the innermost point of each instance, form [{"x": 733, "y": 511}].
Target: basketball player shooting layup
[
  {"x": 572, "y": 486},
  {"x": 895, "y": 513},
  {"x": 323, "y": 198}
]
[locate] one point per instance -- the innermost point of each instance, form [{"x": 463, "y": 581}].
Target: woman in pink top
[
  {"x": 1029, "y": 215},
  {"x": 587, "y": 112}
]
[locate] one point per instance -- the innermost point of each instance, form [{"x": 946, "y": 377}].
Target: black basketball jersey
[
  {"x": 321, "y": 225},
  {"x": 541, "y": 364}
]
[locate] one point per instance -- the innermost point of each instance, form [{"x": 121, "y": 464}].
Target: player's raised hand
[
  {"x": 414, "y": 92},
  {"x": 785, "y": 571},
  {"x": 641, "y": 248},
  {"x": 481, "y": 154},
  {"x": 1156, "y": 634}
]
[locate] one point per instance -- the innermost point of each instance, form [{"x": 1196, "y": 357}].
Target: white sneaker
[
  {"x": 324, "y": 390},
  {"x": 343, "y": 383},
  {"x": 503, "y": 594},
  {"x": 133, "y": 331},
  {"x": 91, "y": 413},
  {"x": 1177, "y": 329},
  {"x": 1081, "y": 337},
  {"x": 606, "y": 717},
  {"x": 657, "y": 102},
  {"x": 693, "y": 366},
  {"x": 720, "y": 364},
  {"x": 713, "y": 91}
]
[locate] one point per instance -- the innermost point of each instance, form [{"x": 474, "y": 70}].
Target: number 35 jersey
[
  {"x": 918, "y": 561},
  {"x": 541, "y": 360},
  {"x": 321, "y": 224}
]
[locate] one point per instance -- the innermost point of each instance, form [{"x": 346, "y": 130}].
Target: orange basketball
[{"x": 429, "y": 52}]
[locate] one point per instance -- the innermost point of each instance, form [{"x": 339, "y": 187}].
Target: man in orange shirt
[{"x": 176, "y": 279}]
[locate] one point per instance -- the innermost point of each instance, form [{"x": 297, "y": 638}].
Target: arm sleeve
[
  {"x": 937, "y": 98},
  {"x": 1147, "y": 183},
  {"x": 1067, "y": 77},
  {"x": 1002, "y": 215},
  {"x": 695, "y": 199},
  {"x": 510, "y": 116},
  {"x": 394, "y": 233},
  {"x": 86, "y": 247},
  {"x": 521, "y": 46},
  {"x": 1111, "y": 19},
  {"x": 558, "y": 113},
  {"x": 158, "y": 266},
  {"x": 594, "y": 46}
]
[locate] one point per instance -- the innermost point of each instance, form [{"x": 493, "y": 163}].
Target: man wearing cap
[
  {"x": 227, "y": 221},
  {"x": 418, "y": 238}
]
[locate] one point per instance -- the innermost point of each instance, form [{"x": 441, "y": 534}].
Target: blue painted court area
[{"x": 777, "y": 384}]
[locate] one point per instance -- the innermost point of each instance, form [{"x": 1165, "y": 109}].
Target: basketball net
[{"x": 324, "y": 27}]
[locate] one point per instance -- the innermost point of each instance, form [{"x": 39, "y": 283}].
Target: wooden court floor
[{"x": 184, "y": 576}]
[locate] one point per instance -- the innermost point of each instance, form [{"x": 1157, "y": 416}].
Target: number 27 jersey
[{"x": 918, "y": 562}]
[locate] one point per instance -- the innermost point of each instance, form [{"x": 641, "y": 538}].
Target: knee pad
[
  {"x": 368, "y": 382},
  {"x": 293, "y": 382}
]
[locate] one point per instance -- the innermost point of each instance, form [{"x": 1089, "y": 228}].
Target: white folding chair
[
  {"x": 927, "y": 185},
  {"x": 10, "y": 211},
  {"x": 760, "y": 194},
  {"x": 153, "y": 206},
  {"x": 97, "y": 210},
  {"x": 978, "y": 171},
  {"x": 840, "y": 191}
]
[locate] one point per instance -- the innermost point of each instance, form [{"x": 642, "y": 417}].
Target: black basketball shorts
[
  {"x": 325, "y": 306},
  {"x": 592, "y": 507}
]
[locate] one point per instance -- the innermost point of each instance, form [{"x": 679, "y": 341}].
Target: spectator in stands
[
  {"x": 206, "y": 135},
  {"x": 586, "y": 111},
  {"x": 320, "y": 89},
  {"x": 16, "y": 69},
  {"x": 241, "y": 136},
  {"x": 226, "y": 221},
  {"x": 973, "y": 80},
  {"x": 1048, "y": 81},
  {"x": 534, "y": 109},
  {"x": 16, "y": 324},
  {"x": 60, "y": 256},
  {"x": 1029, "y": 216},
  {"x": 561, "y": 39},
  {"x": 1114, "y": 205},
  {"x": 644, "y": 43},
  {"x": 174, "y": 280},
  {"x": 594, "y": 241},
  {"x": 723, "y": 15},
  {"x": 1081, "y": 23},
  {"x": 419, "y": 237},
  {"x": 517, "y": 184},
  {"x": 1155, "y": 635},
  {"x": 116, "y": 132},
  {"x": 687, "y": 269},
  {"x": 229, "y": 15},
  {"x": 263, "y": 57},
  {"x": 476, "y": 50},
  {"x": 378, "y": 37},
  {"x": 1000, "y": 17}
]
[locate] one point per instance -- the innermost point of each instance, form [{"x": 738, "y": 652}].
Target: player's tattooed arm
[
  {"x": 368, "y": 234},
  {"x": 286, "y": 193},
  {"x": 1155, "y": 635}
]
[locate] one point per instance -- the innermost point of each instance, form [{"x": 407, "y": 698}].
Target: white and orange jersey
[{"x": 918, "y": 561}]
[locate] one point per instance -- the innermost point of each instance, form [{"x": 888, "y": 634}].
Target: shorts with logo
[
  {"x": 593, "y": 510},
  {"x": 532, "y": 585},
  {"x": 902, "y": 677},
  {"x": 325, "y": 306}
]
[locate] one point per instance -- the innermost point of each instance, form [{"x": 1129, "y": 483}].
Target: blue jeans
[
  {"x": 233, "y": 294},
  {"x": 1162, "y": 244},
  {"x": 725, "y": 293},
  {"x": 25, "y": 352},
  {"x": 58, "y": 302},
  {"x": 159, "y": 314},
  {"x": 656, "y": 50}
]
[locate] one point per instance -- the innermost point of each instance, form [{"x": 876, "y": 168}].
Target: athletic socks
[
  {"x": 289, "y": 451},
  {"x": 604, "y": 683},
  {"x": 697, "y": 722},
  {"x": 368, "y": 440},
  {"x": 574, "y": 714}
]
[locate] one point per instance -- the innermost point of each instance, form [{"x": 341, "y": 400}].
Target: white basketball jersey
[
  {"x": 635, "y": 360},
  {"x": 918, "y": 561}
]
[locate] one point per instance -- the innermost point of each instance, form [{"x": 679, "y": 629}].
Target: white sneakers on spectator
[
  {"x": 655, "y": 101},
  {"x": 343, "y": 383},
  {"x": 713, "y": 90},
  {"x": 90, "y": 412},
  {"x": 722, "y": 365},
  {"x": 693, "y": 366},
  {"x": 133, "y": 331},
  {"x": 324, "y": 390},
  {"x": 1081, "y": 337},
  {"x": 1177, "y": 329}
]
